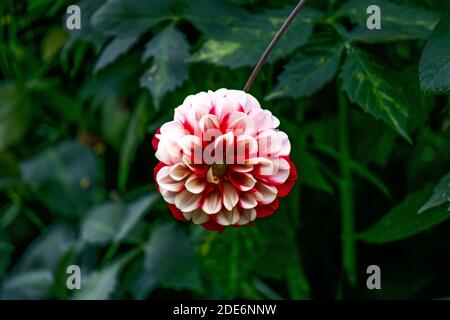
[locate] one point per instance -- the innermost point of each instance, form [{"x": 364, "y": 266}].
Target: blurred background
[{"x": 367, "y": 112}]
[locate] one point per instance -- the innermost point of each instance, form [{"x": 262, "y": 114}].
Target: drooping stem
[
  {"x": 346, "y": 192},
  {"x": 272, "y": 44}
]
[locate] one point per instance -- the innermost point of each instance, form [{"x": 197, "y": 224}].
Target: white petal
[
  {"x": 230, "y": 195},
  {"x": 186, "y": 201},
  {"x": 165, "y": 181},
  {"x": 248, "y": 200},
  {"x": 179, "y": 171},
  {"x": 269, "y": 143},
  {"x": 208, "y": 122},
  {"x": 168, "y": 196},
  {"x": 199, "y": 217},
  {"x": 281, "y": 171},
  {"x": 247, "y": 215},
  {"x": 285, "y": 144},
  {"x": 195, "y": 184},
  {"x": 267, "y": 194},
  {"x": 262, "y": 166},
  {"x": 227, "y": 218},
  {"x": 246, "y": 147},
  {"x": 212, "y": 202}
]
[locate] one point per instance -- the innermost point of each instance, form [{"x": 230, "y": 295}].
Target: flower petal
[
  {"x": 230, "y": 195},
  {"x": 267, "y": 193},
  {"x": 165, "y": 181},
  {"x": 247, "y": 215},
  {"x": 195, "y": 183},
  {"x": 247, "y": 200},
  {"x": 187, "y": 201},
  {"x": 228, "y": 218},
  {"x": 179, "y": 171},
  {"x": 212, "y": 202}
]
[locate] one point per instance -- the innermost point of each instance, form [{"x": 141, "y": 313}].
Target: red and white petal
[
  {"x": 212, "y": 202},
  {"x": 165, "y": 181},
  {"x": 192, "y": 149},
  {"x": 247, "y": 215},
  {"x": 187, "y": 201},
  {"x": 262, "y": 166},
  {"x": 195, "y": 183},
  {"x": 241, "y": 180},
  {"x": 208, "y": 122},
  {"x": 248, "y": 200},
  {"x": 263, "y": 119},
  {"x": 268, "y": 209},
  {"x": 228, "y": 218},
  {"x": 246, "y": 148},
  {"x": 269, "y": 143},
  {"x": 179, "y": 171},
  {"x": 230, "y": 195},
  {"x": 240, "y": 167},
  {"x": 266, "y": 193},
  {"x": 173, "y": 129},
  {"x": 169, "y": 150},
  {"x": 197, "y": 216},
  {"x": 168, "y": 196},
  {"x": 281, "y": 171},
  {"x": 285, "y": 144}
]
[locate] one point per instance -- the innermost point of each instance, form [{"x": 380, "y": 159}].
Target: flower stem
[
  {"x": 272, "y": 44},
  {"x": 346, "y": 193}
]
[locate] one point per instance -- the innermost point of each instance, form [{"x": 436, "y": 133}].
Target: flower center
[{"x": 219, "y": 169}]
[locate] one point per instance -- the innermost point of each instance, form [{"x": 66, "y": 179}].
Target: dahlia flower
[{"x": 223, "y": 162}]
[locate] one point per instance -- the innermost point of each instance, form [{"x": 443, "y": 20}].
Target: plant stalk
[
  {"x": 272, "y": 44},
  {"x": 346, "y": 193}
]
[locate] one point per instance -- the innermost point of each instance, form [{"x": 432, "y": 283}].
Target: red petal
[
  {"x": 158, "y": 167},
  {"x": 285, "y": 188},
  {"x": 176, "y": 212},
  {"x": 266, "y": 210},
  {"x": 155, "y": 140},
  {"x": 213, "y": 226}
]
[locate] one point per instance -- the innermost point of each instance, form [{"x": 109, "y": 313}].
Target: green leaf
[
  {"x": 33, "y": 285},
  {"x": 130, "y": 17},
  {"x": 397, "y": 22},
  {"x": 6, "y": 249},
  {"x": 52, "y": 43},
  {"x": 33, "y": 276},
  {"x": 14, "y": 116},
  {"x": 383, "y": 97},
  {"x": 101, "y": 284},
  {"x": 114, "y": 50},
  {"x": 9, "y": 170},
  {"x": 9, "y": 214},
  {"x": 403, "y": 221},
  {"x": 170, "y": 51},
  {"x": 87, "y": 32},
  {"x": 63, "y": 177},
  {"x": 113, "y": 221},
  {"x": 134, "y": 135},
  {"x": 434, "y": 67},
  {"x": 45, "y": 252},
  {"x": 135, "y": 212},
  {"x": 441, "y": 195},
  {"x": 243, "y": 43},
  {"x": 168, "y": 262},
  {"x": 305, "y": 75}
]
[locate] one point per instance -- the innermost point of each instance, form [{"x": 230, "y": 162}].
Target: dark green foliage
[{"x": 367, "y": 113}]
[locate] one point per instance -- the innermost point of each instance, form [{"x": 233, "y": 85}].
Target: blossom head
[{"x": 223, "y": 162}]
